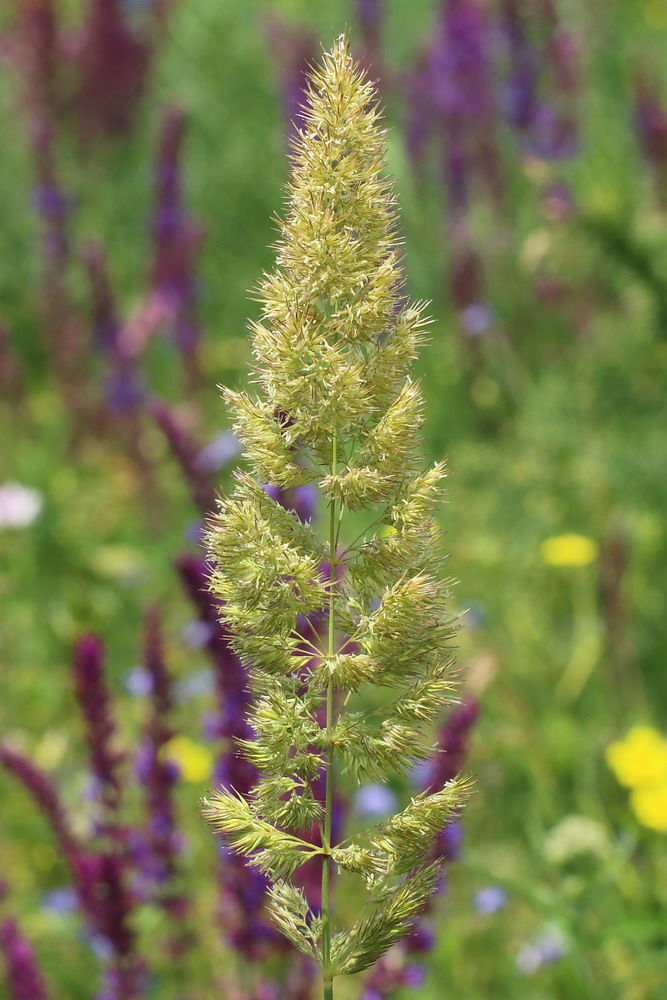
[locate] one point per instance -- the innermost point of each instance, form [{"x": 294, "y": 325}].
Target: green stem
[{"x": 326, "y": 839}]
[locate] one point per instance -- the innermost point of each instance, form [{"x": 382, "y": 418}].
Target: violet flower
[
  {"x": 242, "y": 889},
  {"x": 403, "y": 965},
  {"x": 44, "y": 794},
  {"x": 186, "y": 451},
  {"x": 650, "y": 121},
  {"x": 294, "y": 52},
  {"x": 370, "y": 15},
  {"x": 97, "y": 876},
  {"x": 521, "y": 98},
  {"x": 94, "y": 702},
  {"x": 452, "y": 107},
  {"x": 51, "y": 205},
  {"x": 157, "y": 848},
  {"x": 123, "y": 389},
  {"x": 100, "y": 884},
  {"x": 112, "y": 64},
  {"x": 543, "y": 80},
  {"x": 10, "y": 370},
  {"x": 39, "y": 48},
  {"x": 176, "y": 241},
  {"x": 23, "y": 976},
  {"x": 452, "y": 101},
  {"x": 452, "y": 742}
]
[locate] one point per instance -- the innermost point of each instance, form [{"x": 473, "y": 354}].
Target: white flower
[{"x": 19, "y": 506}]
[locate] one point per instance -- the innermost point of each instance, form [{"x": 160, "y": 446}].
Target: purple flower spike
[
  {"x": 370, "y": 14},
  {"x": 186, "y": 451},
  {"x": 544, "y": 78},
  {"x": 95, "y": 704},
  {"x": 452, "y": 100},
  {"x": 453, "y": 745},
  {"x": 176, "y": 241},
  {"x": 112, "y": 64},
  {"x": 122, "y": 384},
  {"x": 650, "y": 120},
  {"x": 50, "y": 204},
  {"x": 39, "y": 31},
  {"x": 100, "y": 882},
  {"x": 45, "y": 796},
  {"x": 10, "y": 370},
  {"x": 157, "y": 848},
  {"x": 23, "y": 976},
  {"x": 400, "y": 967},
  {"x": 294, "y": 51}
]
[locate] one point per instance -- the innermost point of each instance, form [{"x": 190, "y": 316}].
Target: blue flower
[
  {"x": 138, "y": 682},
  {"x": 489, "y": 900},
  {"x": 545, "y": 950},
  {"x": 61, "y": 900},
  {"x": 375, "y": 800}
]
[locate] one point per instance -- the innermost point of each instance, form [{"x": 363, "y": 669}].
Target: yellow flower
[
  {"x": 569, "y": 550},
  {"x": 639, "y": 760},
  {"x": 650, "y": 806},
  {"x": 194, "y": 761}
]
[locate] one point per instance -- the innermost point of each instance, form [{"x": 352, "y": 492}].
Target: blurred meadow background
[{"x": 144, "y": 155}]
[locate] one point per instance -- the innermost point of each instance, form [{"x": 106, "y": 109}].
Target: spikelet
[{"x": 337, "y": 407}]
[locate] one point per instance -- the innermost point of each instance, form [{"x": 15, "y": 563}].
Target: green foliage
[{"x": 333, "y": 353}]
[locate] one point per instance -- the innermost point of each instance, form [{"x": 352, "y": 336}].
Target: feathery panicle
[{"x": 338, "y": 409}]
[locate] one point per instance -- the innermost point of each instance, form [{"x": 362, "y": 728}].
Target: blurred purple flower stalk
[
  {"x": 402, "y": 966},
  {"x": 24, "y": 977}
]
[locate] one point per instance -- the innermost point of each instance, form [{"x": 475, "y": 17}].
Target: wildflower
[
  {"x": 177, "y": 240},
  {"x": 651, "y": 130},
  {"x": 476, "y": 318},
  {"x": 123, "y": 388},
  {"x": 649, "y": 805},
  {"x": 19, "y": 505},
  {"x": 334, "y": 349},
  {"x": 198, "y": 683},
  {"x": 159, "y": 845},
  {"x": 60, "y": 901},
  {"x": 45, "y": 795},
  {"x": 640, "y": 759},
  {"x": 375, "y": 800},
  {"x": 187, "y": 453},
  {"x": 11, "y": 382},
  {"x": 569, "y": 550},
  {"x": 294, "y": 51},
  {"x": 452, "y": 98},
  {"x": 219, "y": 452},
  {"x": 95, "y": 704},
  {"x": 196, "y": 633},
  {"x": 112, "y": 65},
  {"x": 545, "y": 119},
  {"x": 194, "y": 761},
  {"x": 489, "y": 900},
  {"x": 574, "y": 836},
  {"x": 24, "y": 977},
  {"x": 546, "y": 950},
  {"x": 138, "y": 682},
  {"x": 370, "y": 14}
]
